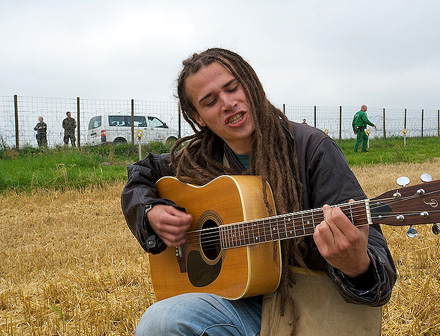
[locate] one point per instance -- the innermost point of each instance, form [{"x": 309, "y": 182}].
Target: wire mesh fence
[
  {"x": 337, "y": 121},
  {"x": 19, "y": 115}
]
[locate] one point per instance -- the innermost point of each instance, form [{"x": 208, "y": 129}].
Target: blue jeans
[{"x": 201, "y": 315}]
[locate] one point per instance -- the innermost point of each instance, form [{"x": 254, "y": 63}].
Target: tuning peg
[
  {"x": 436, "y": 228},
  {"x": 412, "y": 233},
  {"x": 403, "y": 181},
  {"x": 426, "y": 178}
]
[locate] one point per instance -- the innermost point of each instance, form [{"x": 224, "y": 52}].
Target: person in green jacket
[{"x": 360, "y": 122}]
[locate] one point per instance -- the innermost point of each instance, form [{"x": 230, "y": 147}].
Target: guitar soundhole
[
  {"x": 210, "y": 240},
  {"x": 204, "y": 265}
]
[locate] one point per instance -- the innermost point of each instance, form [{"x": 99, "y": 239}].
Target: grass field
[
  {"x": 70, "y": 266},
  {"x": 61, "y": 168}
]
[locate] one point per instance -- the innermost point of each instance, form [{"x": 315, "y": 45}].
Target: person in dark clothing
[
  {"x": 69, "y": 125},
  {"x": 41, "y": 129},
  {"x": 238, "y": 131}
]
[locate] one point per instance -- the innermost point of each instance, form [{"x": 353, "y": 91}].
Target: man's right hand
[{"x": 169, "y": 224}]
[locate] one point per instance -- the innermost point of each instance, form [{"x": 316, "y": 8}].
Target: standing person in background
[
  {"x": 69, "y": 125},
  {"x": 360, "y": 122},
  {"x": 41, "y": 129}
]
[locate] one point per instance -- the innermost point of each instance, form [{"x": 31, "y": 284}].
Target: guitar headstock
[{"x": 409, "y": 205}]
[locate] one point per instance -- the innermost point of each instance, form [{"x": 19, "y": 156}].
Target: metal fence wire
[{"x": 19, "y": 115}]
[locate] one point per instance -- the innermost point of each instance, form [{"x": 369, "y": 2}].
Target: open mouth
[{"x": 235, "y": 119}]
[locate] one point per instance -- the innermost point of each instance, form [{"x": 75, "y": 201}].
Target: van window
[
  {"x": 140, "y": 121},
  {"x": 156, "y": 123},
  {"x": 125, "y": 121},
  {"x": 95, "y": 122}
]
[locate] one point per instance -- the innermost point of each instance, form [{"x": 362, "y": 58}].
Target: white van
[{"x": 116, "y": 128}]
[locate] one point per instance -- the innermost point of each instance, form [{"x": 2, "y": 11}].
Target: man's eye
[
  {"x": 211, "y": 102},
  {"x": 233, "y": 89}
]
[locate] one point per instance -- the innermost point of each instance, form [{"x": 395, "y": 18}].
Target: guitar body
[{"x": 203, "y": 264}]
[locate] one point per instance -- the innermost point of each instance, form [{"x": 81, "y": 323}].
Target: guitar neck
[{"x": 287, "y": 226}]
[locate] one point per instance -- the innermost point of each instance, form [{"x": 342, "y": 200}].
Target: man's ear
[{"x": 199, "y": 119}]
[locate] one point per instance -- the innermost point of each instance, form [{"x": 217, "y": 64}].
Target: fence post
[
  {"x": 404, "y": 120},
  {"x": 384, "y": 132},
  {"x": 423, "y": 112},
  {"x": 132, "y": 126},
  {"x": 17, "y": 141},
  {"x": 314, "y": 115},
  {"x": 284, "y": 109},
  {"x": 179, "y": 119},
  {"x": 340, "y": 123},
  {"x": 78, "y": 121},
  {"x": 438, "y": 123}
]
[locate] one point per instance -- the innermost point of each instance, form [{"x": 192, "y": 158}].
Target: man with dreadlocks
[{"x": 238, "y": 131}]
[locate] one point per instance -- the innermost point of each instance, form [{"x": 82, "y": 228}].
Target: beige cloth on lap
[{"x": 321, "y": 311}]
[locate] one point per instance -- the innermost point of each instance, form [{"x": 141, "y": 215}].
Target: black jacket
[{"x": 327, "y": 179}]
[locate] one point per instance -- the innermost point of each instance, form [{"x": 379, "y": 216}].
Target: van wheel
[
  {"x": 119, "y": 141},
  {"x": 171, "y": 140}
]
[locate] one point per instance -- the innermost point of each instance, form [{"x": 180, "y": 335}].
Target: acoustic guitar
[{"x": 232, "y": 248}]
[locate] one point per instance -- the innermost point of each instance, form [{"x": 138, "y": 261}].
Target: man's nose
[{"x": 226, "y": 100}]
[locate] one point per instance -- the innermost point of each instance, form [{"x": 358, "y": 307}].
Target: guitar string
[
  {"x": 314, "y": 215},
  {"x": 214, "y": 242},
  {"x": 262, "y": 224},
  {"x": 235, "y": 240},
  {"x": 263, "y": 229}
]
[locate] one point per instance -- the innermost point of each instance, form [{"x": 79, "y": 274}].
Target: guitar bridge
[{"x": 180, "y": 256}]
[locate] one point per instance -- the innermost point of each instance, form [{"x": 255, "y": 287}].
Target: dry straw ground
[{"x": 70, "y": 266}]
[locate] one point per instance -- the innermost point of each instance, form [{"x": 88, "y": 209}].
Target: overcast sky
[{"x": 328, "y": 53}]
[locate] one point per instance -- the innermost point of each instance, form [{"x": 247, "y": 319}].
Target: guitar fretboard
[{"x": 292, "y": 225}]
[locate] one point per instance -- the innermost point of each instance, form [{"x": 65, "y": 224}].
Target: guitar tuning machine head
[
  {"x": 426, "y": 178},
  {"x": 403, "y": 181},
  {"x": 412, "y": 232},
  {"x": 436, "y": 228}
]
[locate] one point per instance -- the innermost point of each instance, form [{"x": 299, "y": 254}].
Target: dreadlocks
[{"x": 273, "y": 155}]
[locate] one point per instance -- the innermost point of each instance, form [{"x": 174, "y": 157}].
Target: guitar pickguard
[{"x": 200, "y": 273}]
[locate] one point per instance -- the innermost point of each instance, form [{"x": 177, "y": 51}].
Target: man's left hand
[{"x": 341, "y": 243}]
